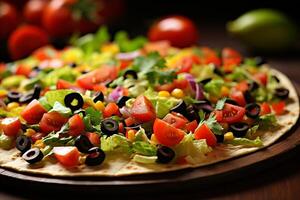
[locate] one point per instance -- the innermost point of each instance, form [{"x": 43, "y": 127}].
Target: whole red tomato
[
  {"x": 8, "y": 19},
  {"x": 25, "y": 40},
  {"x": 179, "y": 30},
  {"x": 33, "y": 11},
  {"x": 63, "y": 17}
]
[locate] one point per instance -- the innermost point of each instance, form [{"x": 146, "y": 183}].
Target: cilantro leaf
[
  {"x": 220, "y": 104},
  {"x": 212, "y": 123}
]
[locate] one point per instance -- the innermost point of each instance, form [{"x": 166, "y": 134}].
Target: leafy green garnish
[
  {"x": 267, "y": 121},
  {"x": 127, "y": 45},
  {"x": 58, "y": 138},
  {"x": 151, "y": 67},
  {"x": 95, "y": 115},
  {"x": 251, "y": 131},
  {"x": 220, "y": 104},
  {"x": 115, "y": 142},
  {"x": 212, "y": 123}
]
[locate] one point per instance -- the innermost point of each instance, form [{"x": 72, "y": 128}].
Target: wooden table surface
[{"x": 280, "y": 181}]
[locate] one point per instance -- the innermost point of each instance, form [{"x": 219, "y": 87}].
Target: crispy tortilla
[{"x": 119, "y": 165}]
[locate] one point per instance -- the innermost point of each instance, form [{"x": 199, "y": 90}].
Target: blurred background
[{"x": 136, "y": 17}]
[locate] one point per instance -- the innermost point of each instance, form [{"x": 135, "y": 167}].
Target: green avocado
[{"x": 264, "y": 30}]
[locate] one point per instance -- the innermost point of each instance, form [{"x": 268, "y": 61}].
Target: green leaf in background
[{"x": 127, "y": 45}]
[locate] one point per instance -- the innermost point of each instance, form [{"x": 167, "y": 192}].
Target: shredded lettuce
[
  {"x": 65, "y": 73},
  {"x": 144, "y": 148},
  {"x": 251, "y": 131},
  {"x": 144, "y": 159},
  {"x": 267, "y": 121},
  {"x": 220, "y": 104},
  {"x": 12, "y": 81},
  {"x": 61, "y": 109},
  {"x": 246, "y": 142},
  {"x": 162, "y": 105},
  {"x": 127, "y": 45},
  {"x": 196, "y": 149},
  {"x": 115, "y": 142},
  {"x": 141, "y": 136},
  {"x": 214, "y": 87},
  {"x": 57, "y": 96},
  {"x": 202, "y": 72}
]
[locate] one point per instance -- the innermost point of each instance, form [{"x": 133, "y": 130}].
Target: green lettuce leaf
[
  {"x": 6, "y": 142},
  {"x": 144, "y": 159},
  {"x": 57, "y": 96},
  {"x": 127, "y": 45},
  {"x": 65, "y": 73},
  {"x": 144, "y": 148},
  {"x": 116, "y": 142},
  {"x": 61, "y": 109},
  {"x": 267, "y": 121},
  {"x": 214, "y": 87},
  {"x": 246, "y": 142}
]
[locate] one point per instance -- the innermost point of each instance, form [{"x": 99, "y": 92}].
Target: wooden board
[{"x": 205, "y": 176}]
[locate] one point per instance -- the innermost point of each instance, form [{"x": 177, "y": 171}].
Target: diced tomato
[
  {"x": 219, "y": 115},
  {"x": 262, "y": 77},
  {"x": 278, "y": 107},
  {"x": 121, "y": 127},
  {"x": 44, "y": 53},
  {"x": 124, "y": 64},
  {"x": 180, "y": 83},
  {"x": 110, "y": 110},
  {"x": 265, "y": 108},
  {"x": 209, "y": 56},
  {"x": 103, "y": 74},
  {"x": 166, "y": 134},
  {"x": 129, "y": 121},
  {"x": 67, "y": 156},
  {"x": 165, "y": 87},
  {"x": 191, "y": 126},
  {"x": 242, "y": 86},
  {"x": 23, "y": 70},
  {"x": 232, "y": 113},
  {"x": 11, "y": 126},
  {"x": 52, "y": 121},
  {"x": 94, "y": 138},
  {"x": 62, "y": 84},
  {"x": 203, "y": 132},
  {"x": 184, "y": 65},
  {"x": 231, "y": 57},
  {"x": 76, "y": 125},
  {"x": 176, "y": 120},
  {"x": 37, "y": 136},
  {"x": 142, "y": 109},
  {"x": 238, "y": 96},
  {"x": 100, "y": 88},
  {"x": 33, "y": 112}
]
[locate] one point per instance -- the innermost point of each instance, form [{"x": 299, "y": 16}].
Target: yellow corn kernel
[
  {"x": 12, "y": 105},
  {"x": 163, "y": 93},
  {"x": 252, "y": 70},
  {"x": 131, "y": 135},
  {"x": 177, "y": 93},
  {"x": 111, "y": 48},
  {"x": 224, "y": 91},
  {"x": 39, "y": 144},
  {"x": 29, "y": 132},
  {"x": 153, "y": 139},
  {"x": 99, "y": 105},
  {"x": 228, "y": 136},
  {"x": 3, "y": 93}
]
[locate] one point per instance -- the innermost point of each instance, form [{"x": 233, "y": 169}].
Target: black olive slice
[
  {"x": 130, "y": 73},
  {"x": 252, "y": 110},
  {"x": 73, "y": 65},
  {"x": 231, "y": 101},
  {"x": 98, "y": 97},
  {"x": 259, "y": 61},
  {"x": 204, "y": 81},
  {"x": 28, "y": 97},
  {"x": 253, "y": 85},
  {"x": 220, "y": 138},
  {"x": 23, "y": 143},
  {"x": 282, "y": 93},
  {"x": 191, "y": 113},
  {"x": 83, "y": 143},
  {"x": 14, "y": 96},
  {"x": 218, "y": 71},
  {"x": 165, "y": 154},
  {"x": 122, "y": 101},
  {"x": 239, "y": 129},
  {"x": 179, "y": 108},
  {"x": 204, "y": 105},
  {"x": 248, "y": 97},
  {"x": 69, "y": 98},
  {"x": 96, "y": 156},
  {"x": 275, "y": 78},
  {"x": 109, "y": 127},
  {"x": 33, "y": 155}
]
